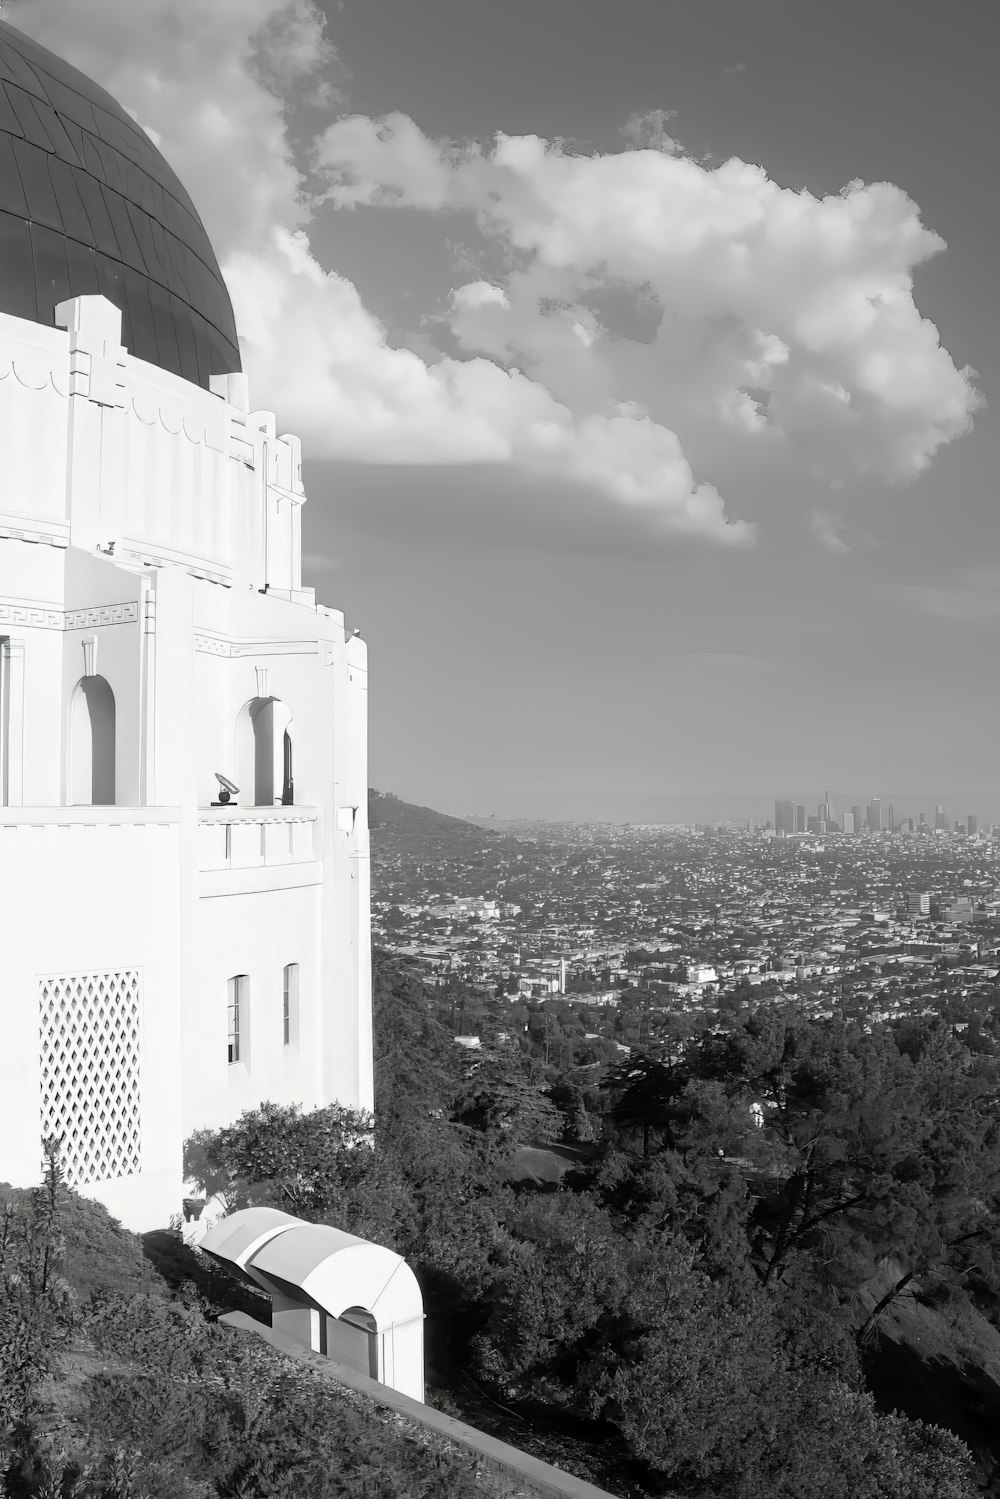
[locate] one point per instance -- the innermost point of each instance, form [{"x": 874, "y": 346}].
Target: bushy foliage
[
  {"x": 695, "y": 1287},
  {"x": 127, "y": 1391}
]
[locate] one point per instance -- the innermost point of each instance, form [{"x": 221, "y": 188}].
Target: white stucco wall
[{"x": 150, "y": 531}]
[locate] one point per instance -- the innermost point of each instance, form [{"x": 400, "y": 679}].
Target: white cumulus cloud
[
  {"x": 758, "y": 285},
  {"x": 782, "y": 317}
]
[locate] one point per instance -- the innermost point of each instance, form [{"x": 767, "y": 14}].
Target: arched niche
[
  {"x": 265, "y": 753},
  {"x": 92, "y": 744}
]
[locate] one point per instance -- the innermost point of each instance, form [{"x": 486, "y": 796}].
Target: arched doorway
[
  {"x": 265, "y": 753},
  {"x": 351, "y": 1339},
  {"x": 92, "y": 744}
]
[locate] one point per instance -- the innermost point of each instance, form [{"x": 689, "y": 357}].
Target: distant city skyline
[{"x": 710, "y": 807}]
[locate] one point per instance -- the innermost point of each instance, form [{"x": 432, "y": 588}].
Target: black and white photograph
[{"x": 499, "y": 749}]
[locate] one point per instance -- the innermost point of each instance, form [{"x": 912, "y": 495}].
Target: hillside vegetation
[
  {"x": 115, "y": 1382},
  {"x": 692, "y": 1310},
  {"x": 397, "y": 819},
  {"x": 757, "y": 1226}
]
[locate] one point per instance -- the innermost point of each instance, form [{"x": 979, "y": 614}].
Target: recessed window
[
  {"x": 290, "y": 1002},
  {"x": 237, "y": 1016}
]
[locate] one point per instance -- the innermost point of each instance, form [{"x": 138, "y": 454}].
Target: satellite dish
[{"x": 227, "y": 787}]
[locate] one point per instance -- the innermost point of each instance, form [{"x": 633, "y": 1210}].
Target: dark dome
[{"x": 88, "y": 204}]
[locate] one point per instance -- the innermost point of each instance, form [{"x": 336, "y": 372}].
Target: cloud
[
  {"x": 650, "y": 130},
  {"x": 809, "y": 300},
  {"x": 782, "y": 319},
  {"x": 214, "y": 83},
  {"x": 826, "y": 529},
  {"x": 736, "y": 67}
]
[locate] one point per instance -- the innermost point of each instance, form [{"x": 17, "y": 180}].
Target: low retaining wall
[{"x": 535, "y": 1477}]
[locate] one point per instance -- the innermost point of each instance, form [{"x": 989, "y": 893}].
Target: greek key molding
[
  {"x": 49, "y": 617},
  {"x": 105, "y": 614}
]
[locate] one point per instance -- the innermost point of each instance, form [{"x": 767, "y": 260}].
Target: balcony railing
[{"x": 255, "y": 837}]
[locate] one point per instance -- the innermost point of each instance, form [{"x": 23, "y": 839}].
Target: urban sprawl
[{"x": 868, "y": 916}]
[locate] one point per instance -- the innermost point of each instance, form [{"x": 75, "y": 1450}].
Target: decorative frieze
[
  {"x": 220, "y": 645},
  {"x": 51, "y": 617}
]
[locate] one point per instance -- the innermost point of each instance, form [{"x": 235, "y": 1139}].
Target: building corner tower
[{"x": 173, "y": 953}]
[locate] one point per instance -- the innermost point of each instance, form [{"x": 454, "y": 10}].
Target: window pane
[
  {"x": 290, "y": 1002},
  {"x": 234, "y": 1016}
]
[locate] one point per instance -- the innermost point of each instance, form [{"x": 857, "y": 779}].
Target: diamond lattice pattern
[{"x": 90, "y": 1030}]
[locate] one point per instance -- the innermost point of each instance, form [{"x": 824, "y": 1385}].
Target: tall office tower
[
  {"x": 800, "y": 819},
  {"x": 940, "y": 820},
  {"x": 971, "y": 825},
  {"x": 910, "y": 826},
  {"x": 849, "y": 823},
  {"x": 875, "y": 814},
  {"x": 784, "y": 818},
  {"x": 892, "y": 818},
  {"x": 918, "y": 903},
  {"x": 859, "y": 819},
  {"x": 175, "y": 950}
]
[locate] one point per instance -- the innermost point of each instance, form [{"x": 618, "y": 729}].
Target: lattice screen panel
[{"x": 90, "y": 1030}]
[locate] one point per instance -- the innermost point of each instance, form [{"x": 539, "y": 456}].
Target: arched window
[
  {"x": 288, "y": 779},
  {"x": 92, "y": 744},
  {"x": 264, "y": 753}
]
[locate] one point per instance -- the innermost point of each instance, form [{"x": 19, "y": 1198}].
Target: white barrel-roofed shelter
[{"x": 356, "y": 1302}]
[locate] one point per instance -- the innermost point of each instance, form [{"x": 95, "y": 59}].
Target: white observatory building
[{"x": 168, "y": 958}]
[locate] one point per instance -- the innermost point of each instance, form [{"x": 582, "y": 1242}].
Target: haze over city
[{"x": 642, "y": 357}]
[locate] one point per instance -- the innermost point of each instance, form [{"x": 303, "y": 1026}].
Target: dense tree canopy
[{"x": 699, "y": 1286}]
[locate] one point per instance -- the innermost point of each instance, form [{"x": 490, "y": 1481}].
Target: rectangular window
[
  {"x": 237, "y": 1015},
  {"x": 290, "y": 1002}
]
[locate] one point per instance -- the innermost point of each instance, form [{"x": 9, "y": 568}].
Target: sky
[{"x": 645, "y": 359}]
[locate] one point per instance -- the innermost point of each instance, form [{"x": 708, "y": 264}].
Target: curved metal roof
[
  {"x": 89, "y": 205},
  {"x": 335, "y": 1270}
]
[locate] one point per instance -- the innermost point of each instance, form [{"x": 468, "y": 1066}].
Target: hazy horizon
[{"x": 655, "y": 807}]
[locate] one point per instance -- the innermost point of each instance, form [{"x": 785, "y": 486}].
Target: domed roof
[{"x": 88, "y": 204}]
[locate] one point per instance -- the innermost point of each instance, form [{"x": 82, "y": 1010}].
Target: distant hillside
[{"x": 402, "y": 819}]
